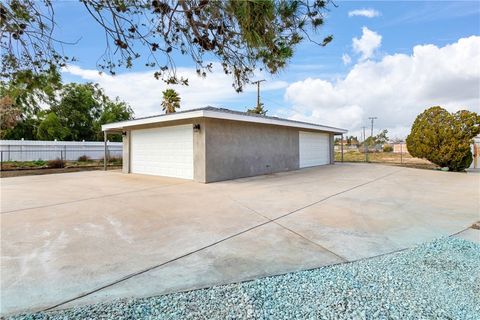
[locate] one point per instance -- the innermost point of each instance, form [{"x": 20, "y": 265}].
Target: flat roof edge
[
  {"x": 273, "y": 121},
  {"x": 150, "y": 120},
  {"x": 220, "y": 115}
]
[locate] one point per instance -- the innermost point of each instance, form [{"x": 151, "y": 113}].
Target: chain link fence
[
  {"x": 394, "y": 153},
  {"x": 25, "y": 154}
]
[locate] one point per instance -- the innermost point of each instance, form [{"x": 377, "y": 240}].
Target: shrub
[
  {"x": 84, "y": 158},
  {"x": 462, "y": 163},
  {"x": 444, "y": 138},
  {"x": 39, "y": 162},
  {"x": 57, "y": 163},
  {"x": 387, "y": 148}
]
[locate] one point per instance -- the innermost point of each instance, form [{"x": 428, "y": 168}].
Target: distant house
[{"x": 400, "y": 147}]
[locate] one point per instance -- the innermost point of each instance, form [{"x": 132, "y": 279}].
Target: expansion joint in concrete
[
  {"x": 132, "y": 275},
  {"x": 92, "y": 198},
  {"x": 292, "y": 231}
]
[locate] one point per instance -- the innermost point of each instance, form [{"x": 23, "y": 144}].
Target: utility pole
[
  {"x": 372, "y": 119},
  {"x": 365, "y": 144},
  {"x": 258, "y": 91}
]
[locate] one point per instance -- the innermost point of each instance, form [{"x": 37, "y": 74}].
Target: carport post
[
  {"x": 341, "y": 146},
  {"x": 105, "y": 150}
]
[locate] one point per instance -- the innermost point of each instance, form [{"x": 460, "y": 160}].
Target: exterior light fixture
[{"x": 196, "y": 127}]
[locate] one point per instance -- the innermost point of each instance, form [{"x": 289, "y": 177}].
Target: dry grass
[
  {"x": 386, "y": 158},
  {"x": 38, "y": 167}
]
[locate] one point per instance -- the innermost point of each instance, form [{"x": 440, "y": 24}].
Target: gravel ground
[{"x": 437, "y": 280}]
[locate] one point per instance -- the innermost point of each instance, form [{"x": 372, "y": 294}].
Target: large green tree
[
  {"x": 22, "y": 97},
  {"x": 83, "y": 108},
  {"x": 241, "y": 35},
  {"x": 113, "y": 111},
  {"x": 78, "y": 108},
  {"x": 444, "y": 138},
  {"x": 40, "y": 107},
  {"x": 50, "y": 128}
]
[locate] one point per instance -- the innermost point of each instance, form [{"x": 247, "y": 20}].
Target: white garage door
[
  {"x": 314, "y": 149},
  {"x": 163, "y": 151}
]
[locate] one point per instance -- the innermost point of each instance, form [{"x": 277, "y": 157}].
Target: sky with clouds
[{"x": 388, "y": 59}]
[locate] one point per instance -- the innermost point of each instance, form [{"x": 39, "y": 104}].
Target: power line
[{"x": 273, "y": 101}]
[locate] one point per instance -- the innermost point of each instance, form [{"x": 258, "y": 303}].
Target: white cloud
[
  {"x": 368, "y": 13},
  {"x": 367, "y": 44},
  {"x": 395, "y": 89},
  {"x": 346, "y": 59},
  {"x": 144, "y": 93}
]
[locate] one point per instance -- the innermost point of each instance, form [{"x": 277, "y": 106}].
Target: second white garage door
[
  {"x": 314, "y": 149},
  {"x": 163, "y": 151}
]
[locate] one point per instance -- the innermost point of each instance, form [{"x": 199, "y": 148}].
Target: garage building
[{"x": 213, "y": 144}]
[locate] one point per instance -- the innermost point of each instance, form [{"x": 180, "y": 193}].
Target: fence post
[
  {"x": 105, "y": 150},
  {"x": 1, "y": 160},
  {"x": 341, "y": 145},
  {"x": 401, "y": 152},
  {"x": 21, "y": 150},
  {"x": 65, "y": 152}
]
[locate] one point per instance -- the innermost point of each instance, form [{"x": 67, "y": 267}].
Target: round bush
[{"x": 444, "y": 138}]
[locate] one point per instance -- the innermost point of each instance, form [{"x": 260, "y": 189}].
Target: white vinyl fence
[{"x": 29, "y": 150}]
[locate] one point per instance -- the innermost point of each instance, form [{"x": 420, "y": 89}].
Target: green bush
[
  {"x": 39, "y": 162},
  {"x": 462, "y": 163},
  {"x": 444, "y": 138},
  {"x": 387, "y": 148},
  {"x": 57, "y": 163}
]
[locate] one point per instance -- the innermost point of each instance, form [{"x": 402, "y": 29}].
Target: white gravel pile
[{"x": 437, "y": 280}]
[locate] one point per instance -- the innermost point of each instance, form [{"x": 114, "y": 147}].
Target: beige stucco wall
[
  {"x": 199, "y": 154},
  {"x": 236, "y": 149}
]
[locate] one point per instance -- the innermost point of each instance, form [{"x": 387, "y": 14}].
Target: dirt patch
[
  {"x": 40, "y": 171},
  {"x": 389, "y": 158},
  {"x": 428, "y": 166}
]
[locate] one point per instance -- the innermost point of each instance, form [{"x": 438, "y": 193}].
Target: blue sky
[{"x": 315, "y": 85}]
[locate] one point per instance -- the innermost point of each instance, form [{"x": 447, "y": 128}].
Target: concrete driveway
[{"x": 76, "y": 238}]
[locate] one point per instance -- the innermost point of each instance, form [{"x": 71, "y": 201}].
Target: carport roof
[{"x": 218, "y": 113}]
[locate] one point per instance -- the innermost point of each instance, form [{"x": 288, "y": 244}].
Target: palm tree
[
  {"x": 259, "y": 109},
  {"x": 171, "y": 101}
]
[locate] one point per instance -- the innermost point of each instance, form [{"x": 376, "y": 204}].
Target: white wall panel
[
  {"x": 314, "y": 149},
  {"x": 164, "y": 151}
]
